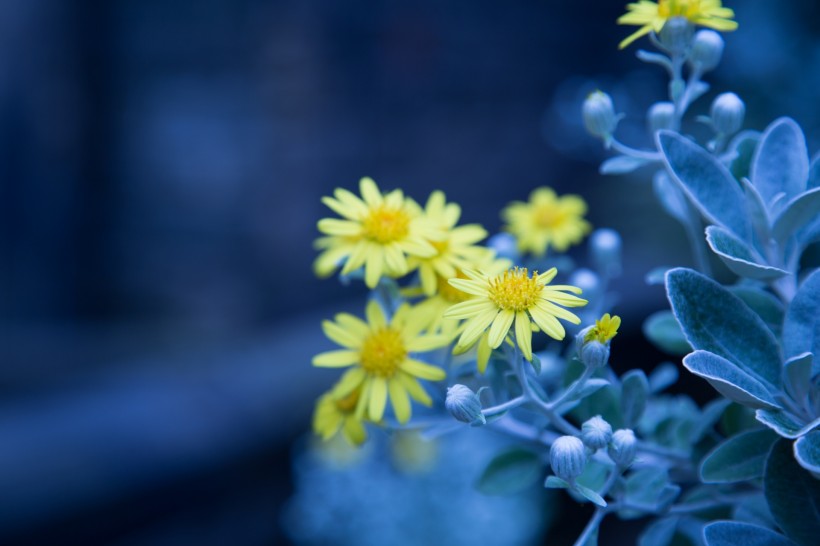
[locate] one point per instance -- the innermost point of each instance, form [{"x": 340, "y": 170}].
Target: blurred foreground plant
[{"x": 489, "y": 328}]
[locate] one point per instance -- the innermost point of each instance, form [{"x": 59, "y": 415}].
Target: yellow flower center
[
  {"x": 515, "y": 290},
  {"x": 451, "y": 293},
  {"x": 549, "y": 216},
  {"x": 678, "y": 8},
  {"x": 386, "y": 225},
  {"x": 383, "y": 352},
  {"x": 348, "y": 403}
]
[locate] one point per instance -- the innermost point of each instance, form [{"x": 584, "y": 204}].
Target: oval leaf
[
  {"x": 743, "y": 147},
  {"x": 784, "y": 423},
  {"x": 739, "y": 458},
  {"x": 738, "y": 257},
  {"x": 706, "y": 181},
  {"x": 664, "y": 332},
  {"x": 757, "y": 211},
  {"x": 671, "y": 197},
  {"x": 807, "y": 452},
  {"x": 793, "y": 495},
  {"x": 510, "y": 472},
  {"x": 659, "y": 533},
  {"x": 767, "y": 306},
  {"x": 731, "y": 381},
  {"x": 732, "y": 533},
  {"x": 799, "y": 212},
  {"x": 801, "y": 329},
  {"x": 715, "y": 320},
  {"x": 634, "y": 392},
  {"x": 797, "y": 375},
  {"x": 781, "y": 161},
  {"x": 663, "y": 376},
  {"x": 621, "y": 164}
]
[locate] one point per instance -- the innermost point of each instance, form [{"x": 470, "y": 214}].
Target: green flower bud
[
  {"x": 596, "y": 433},
  {"x": 727, "y": 113},
  {"x": 464, "y": 405},
  {"x": 599, "y": 115},
  {"x": 661, "y": 115},
  {"x": 707, "y": 49},
  {"x": 593, "y": 353},
  {"x": 622, "y": 447},
  {"x": 676, "y": 35},
  {"x": 568, "y": 458}
]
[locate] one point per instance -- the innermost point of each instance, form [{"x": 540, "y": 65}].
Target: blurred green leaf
[
  {"x": 510, "y": 472},
  {"x": 793, "y": 495},
  {"x": 738, "y": 458}
]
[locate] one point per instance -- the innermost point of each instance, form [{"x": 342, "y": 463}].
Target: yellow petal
[
  {"x": 523, "y": 333},
  {"x": 501, "y": 325},
  {"x": 399, "y": 400},
  {"x": 336, "y": 359},
  {"x": 375, "y": 315},
  {"x": 422, "y": 370},
  {"x": 378, "y": 399}
]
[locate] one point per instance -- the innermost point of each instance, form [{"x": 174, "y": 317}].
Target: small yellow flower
[
  {"x": 605, "y": 329},
  {"x": 651, "y": 16},
  {"x": 333, "y": 415},
  {"x": 379, "y": 353},
  {"x": 513, "y": 295},
  {"x": 546, "y": 221},
  {"x": 377, "y": 231},
  {"x": 456, "y": 250}
]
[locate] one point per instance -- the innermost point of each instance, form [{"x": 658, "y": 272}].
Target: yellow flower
[
  {"x": 605, "y": 329},
  {"x": 379, "y": 353},
  {"x": 457, "y": 250},
  {"x": 377, "y": 232},
  {"x": 513, "y": 295},
  {"x": 546, "y": 220},
  {"x": 651, "y": 16},
  {"x": 333, "y": 415}
]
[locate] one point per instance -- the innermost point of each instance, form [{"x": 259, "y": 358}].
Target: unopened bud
[
  {"x": 707, "y": 49},
  {"x": 599, "y": 115},
  {"x": 727, "y": 113},
  {"x": 568, "y": 458},
  {"x": 661, "y": 115},
  {"x": 622, "y": 447},
  {"x": 464, "y": 405},
  {"x": 593, "y": 354},
  {"x": 676, "y": 35},
  {"x": 596, "y": 433},
  {"x": 605, "y": 251}
]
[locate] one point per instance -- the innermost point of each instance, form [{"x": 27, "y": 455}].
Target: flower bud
[
  {"x": 622, "y": 447},
  {"x": 727, "y": 113},
  {"x": 464, "y": 405},
  {"x": 593, "y": 354},
  {"x": 676, "y": 35},
  {"x": 661, "y": 115},
  {"x": 568, "y": 458},
  {"x": 707, "y": 49},
  {"x": 605, "y": 251},
  {"x": 599, "y": 115},
  {"x": 596, "y": 433}
]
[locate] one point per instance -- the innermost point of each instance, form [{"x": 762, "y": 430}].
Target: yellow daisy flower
[
  {"x": 377, "y": 232},
  {"x": 513, "y": 295},
  {"x": 605, "y": 329},
  {"x": 333, "y": 415},
  {"x": 546, "y": 221},
  {"x": 457, "y": 250},
  {"x": 651, "y": 16},
  {"x": 379, "y": 353}
]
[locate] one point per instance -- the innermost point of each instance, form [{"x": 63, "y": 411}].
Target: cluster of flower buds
[{"x": 569, "y": 454}]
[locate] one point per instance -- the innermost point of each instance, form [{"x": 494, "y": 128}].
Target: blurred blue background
[{"x": 161, "y": 165}]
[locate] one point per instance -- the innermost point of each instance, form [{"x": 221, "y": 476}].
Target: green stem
[{"x": 515, "y": 402}]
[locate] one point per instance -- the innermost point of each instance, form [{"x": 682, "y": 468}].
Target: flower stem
[
  {"x": 515, "y": 402},
  {"x": 591, "y": 527}
]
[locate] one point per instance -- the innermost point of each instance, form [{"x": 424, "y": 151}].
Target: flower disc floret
[
  {"x": 383, "y": 352},
  {"x": 386, "y": 224},
  {"x": 651, "y": 16},
  {"x": 513, "y": 296}
]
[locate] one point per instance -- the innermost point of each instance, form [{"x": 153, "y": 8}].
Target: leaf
[
  {"x": 733, "y": 533},
  {"x": 707, "y": 182},
  {"x": 730, "y": 380},
  {"x": 765, "y": 304},
  {"x": 554, "y": 482},
  {"x": 647, "y": 490},
  {"x": 781, "y": 161},
  {"x": 713, "y": 319},
  {"x": 801, "y": 329},
  {"x": 807, "y": 452},
  {"x": 591, "y": 386},
  {"x": 797, "y": 375},
  {"x": 793, "y": 495},
  {"x": 663, "y": 376},
  {"x": 743, "y": 145},
  {"x": 656, "y": 275},
  {"x": 659, "y": 532},
  {"x": 739, "y": 458},
  {"x": 754, "y": 509},
  {"x": 739, "y": 257},
  {"x": 621, "y": 164},
  {"x": 663, "y": 330},
  {"x": 814, "y": 173},
  {"x": 590, "y": 495},
  {"x": 634, "y": 392},
  {"x": 799, "y": 212},
  {"x": 784, "y": 423},
  {"x": 757, "y": 211},
  {"x": 710, "y": 415},
  {"x": 671, "y": 197},
  {"x": 510, "y": 472}
]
